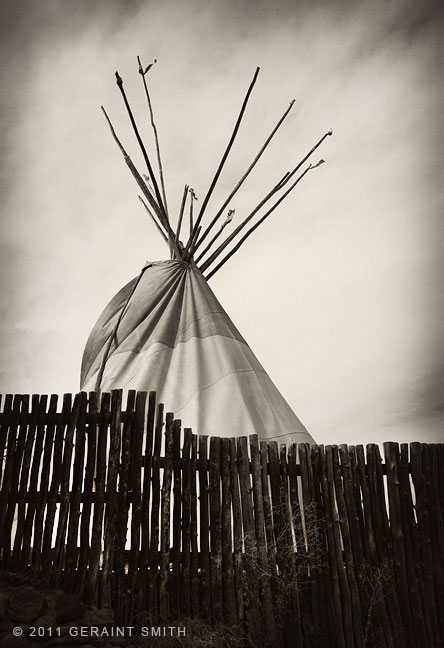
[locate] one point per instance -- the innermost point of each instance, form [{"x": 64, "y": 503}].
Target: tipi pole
[
  {"x": 223, "y": 245},
  {"x": 298, "y": 166},
  {"x": 240, "y": 227},
  {"x": 153, "y": 124},
  {"x": 243, "y": 178},
  {"x": 187, "y": 255},
  {"x": 270, "y": 194},
  {"x": 256, "y": 225},
  {"x": 216, "y": 236},
  {"x": 119, "y": 82},
  {"x": 193, "y": 231},
  {"x": 182, "y": 209},
  {"x": 227, "y": 150},
  {"x": 138, "y": 178},
  {"x": 161, "y": 232},
  {"x": 145, "y": 190},
  {"x": 193, "y": 198}
]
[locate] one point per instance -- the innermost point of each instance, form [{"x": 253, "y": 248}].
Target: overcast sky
[{"x": 340, "y": 293}]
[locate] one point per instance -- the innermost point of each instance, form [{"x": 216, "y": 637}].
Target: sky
[{"x": 339, "y": 293}]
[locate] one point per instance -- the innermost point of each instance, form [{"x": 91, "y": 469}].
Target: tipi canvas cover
[{"x": 165, "y": 331}]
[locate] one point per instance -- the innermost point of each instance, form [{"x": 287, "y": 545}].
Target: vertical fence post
[
  {"x": 185, "y": 576},
  {"x": 88, "y": 491},
  {"x": 204, "y": 523},
  {"x": 48, "y": 558},
  {"x": 229, "y": 598},
  {"x": 4, "y": 425},
  {"x": 132, "y": 595},
  {"x": 263, "y": 564},
  {"x": 438, "y": 527},
  {"x": 195, "y": 576},
  {"x": 332, "y": 557},
  {"x": 164, "y": 599},
  {"x": 72, "y": 554},
  {"x": 147, "y": 442},
  {"x": 9, "y": 428},
  {"x": 254, "y": 617},
  {"x": 239, "y": 580},
  {"x": 325, "y": 622},
  {"x": 154, "y": 563},
  {"x": 424, "y": 534},
  {"x": 65, "y": 475},
  {"x": 108, "y": 583},
  {"x": 48, "y": 434},
  {"x": 23, "y": 482},
  {"x": 175, "y": 592},
  {"x": 92, "y": 583},
  {"x": 123, "y": 509},
  {"x": 215, "y": 530},
  {"x": 14, "y": 481}
]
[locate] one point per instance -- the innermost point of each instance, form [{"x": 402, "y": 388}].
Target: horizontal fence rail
[{"x": 274, "y": 545}]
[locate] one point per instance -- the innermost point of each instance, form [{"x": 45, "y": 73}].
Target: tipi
[{"x": 165, "y": 331}]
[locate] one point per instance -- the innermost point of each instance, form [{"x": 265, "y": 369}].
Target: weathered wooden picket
[{"x": 275, "y": 546}]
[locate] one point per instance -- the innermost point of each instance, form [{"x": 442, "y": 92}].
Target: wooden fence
[{"x": 272, "y": 546}]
